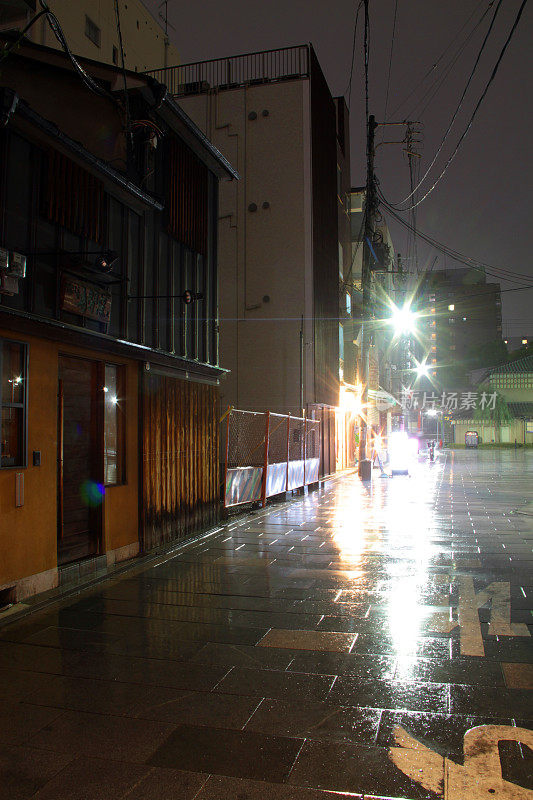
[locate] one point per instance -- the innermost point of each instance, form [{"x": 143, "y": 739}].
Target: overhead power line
[
  {"x": 474, "y": 113},
  {"x": 459, "y": 106},
  {"x": 60, "y": 36},
  {"x": 348, "y": 91},
  {"x": 442, "y": 55},
  {"x": 8, "y": 48},
  {"x": 503, "y": 273},
  {"x": 123, "y": 66},
  {"x": 390, "y": 62},
  {"x": 432, "y": 91}
]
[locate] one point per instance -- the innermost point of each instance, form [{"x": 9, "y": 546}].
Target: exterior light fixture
[
  {"x": 451, "y": 307},
  {"x": 106, "y": 261},
  {"x": 524, "y": 341},
  {"x": 189, "y": 297},
  {"x": 422, "y": 370},
  {"x": 403, "y": 320}
]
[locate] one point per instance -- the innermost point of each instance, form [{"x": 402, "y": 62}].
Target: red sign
[{"x": 85, "y": 299}]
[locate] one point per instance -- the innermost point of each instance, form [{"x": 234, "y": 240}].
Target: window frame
[
  {"x": 121, "y": 424},
  {"x": 23, "y": 406}
]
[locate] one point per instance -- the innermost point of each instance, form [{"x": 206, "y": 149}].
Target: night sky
[{"x": 482, "y": 206}]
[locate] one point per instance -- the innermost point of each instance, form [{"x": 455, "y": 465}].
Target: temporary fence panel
[
  {"x": 296, "y": 462},
  {"x": 312, "y": 451},
  {"x": 276, "y": 474},
  {"x": 268, "y": 454},
  {"x": 245, "y": 457}
]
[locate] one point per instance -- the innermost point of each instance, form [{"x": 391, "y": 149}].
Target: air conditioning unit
[{"x": 17, "y": 265}]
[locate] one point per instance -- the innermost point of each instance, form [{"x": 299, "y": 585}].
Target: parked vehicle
[{"x": 471, "y": 439}]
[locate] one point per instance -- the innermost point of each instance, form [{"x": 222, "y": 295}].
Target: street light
[
  {"x": 403, "y": 320},
  {"x": 422, "y": 370}
]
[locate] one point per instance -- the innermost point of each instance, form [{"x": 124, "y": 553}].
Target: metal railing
[
  {"x": 227, "y": 73},
  {"x": 267, "y": 454}
]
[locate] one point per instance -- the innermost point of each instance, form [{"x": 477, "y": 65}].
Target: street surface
[{"x": 364, "y": 641}]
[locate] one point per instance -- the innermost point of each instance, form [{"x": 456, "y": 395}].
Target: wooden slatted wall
[
  {"x": 187, "y": 197},
  {"x": 73, "y": 197},
  {"x": 180, "y": 459}
]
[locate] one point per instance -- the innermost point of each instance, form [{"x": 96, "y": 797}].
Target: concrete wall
[
  {"x": 267, "y": 252},
  {"x": 145, "y": 43},
  {"x": 28, "y": 535}
]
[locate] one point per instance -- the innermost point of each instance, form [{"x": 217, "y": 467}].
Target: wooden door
[{"x": 80, "y": 491}]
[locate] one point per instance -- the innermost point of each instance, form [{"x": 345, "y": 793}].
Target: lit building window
[
  {"x": 114, "y": 444},
  {"x": 13, "y": 403},
  {"x": 451, "y": 307},
  {"x": 524, "y": 341}
]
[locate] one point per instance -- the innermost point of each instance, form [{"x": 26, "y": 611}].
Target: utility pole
[{"x": 365, "y": 465}]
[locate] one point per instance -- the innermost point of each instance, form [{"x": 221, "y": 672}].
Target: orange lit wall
[{"x": 28, "y": 535}]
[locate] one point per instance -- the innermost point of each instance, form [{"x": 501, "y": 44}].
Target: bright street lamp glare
[
  {"x": 432, "y": 412},
  {"x": 422, "y": 370},
  {"x": 403, "y": 320}
]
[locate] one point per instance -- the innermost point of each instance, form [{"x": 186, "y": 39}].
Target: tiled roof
[{"x": 521, "y": 365}]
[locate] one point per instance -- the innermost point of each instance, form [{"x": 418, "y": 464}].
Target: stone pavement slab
[{"x": 339, "y": 645}]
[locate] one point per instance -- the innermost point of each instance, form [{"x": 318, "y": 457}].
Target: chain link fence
[
  {"x": 246, "y": 440},
  {"x": 267, "y": 454}
]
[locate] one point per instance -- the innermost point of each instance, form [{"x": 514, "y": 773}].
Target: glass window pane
[
  {"x": 11, "y": 437},
  {"x": 110, "y": 426},
  {"x": 12, "y": 372}
]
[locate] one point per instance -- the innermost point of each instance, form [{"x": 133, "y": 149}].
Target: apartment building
[{"x": 283, "y": 245}]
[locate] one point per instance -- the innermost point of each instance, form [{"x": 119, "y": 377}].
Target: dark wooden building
[{"x": 108, "y": 319}]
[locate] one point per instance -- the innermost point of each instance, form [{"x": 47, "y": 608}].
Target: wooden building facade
[{"x": 108, "y": 321}]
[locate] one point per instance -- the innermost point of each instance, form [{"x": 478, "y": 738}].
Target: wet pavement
[{"x": 360, "y": 641}]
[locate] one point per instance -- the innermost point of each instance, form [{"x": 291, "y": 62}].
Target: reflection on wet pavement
[{"x": 362, "y": 641}]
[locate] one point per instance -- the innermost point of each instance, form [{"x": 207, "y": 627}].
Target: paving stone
[
  {"x": 301, "y": 651},
  {"x": 243, "y": 754}
]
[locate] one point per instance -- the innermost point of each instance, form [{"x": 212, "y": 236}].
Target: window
[
  {"x": 13, "y": 403},
  {"x": 69, "y": 189},
  {"x": 92, "y": 31},
  {"x": 187, "y": 197},
  {"x": 114, "y": 443},
  {"x": 451, "y": 307}
]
